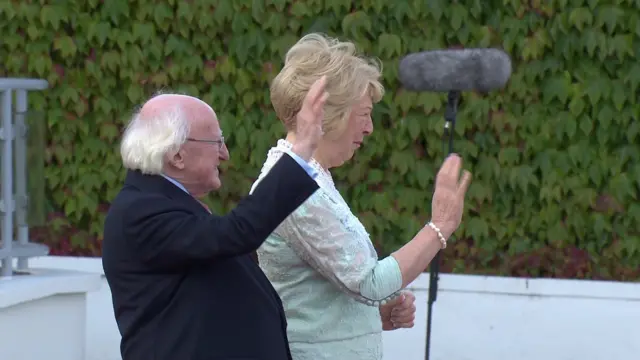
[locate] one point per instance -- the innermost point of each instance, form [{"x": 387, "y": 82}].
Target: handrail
[
  {"x": 23, "y": 84},
  {"x": 13, "y": 136}
]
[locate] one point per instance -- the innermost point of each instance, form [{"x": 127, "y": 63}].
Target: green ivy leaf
[
  {"x": 557, "y": 88},
  {"x": 509, "y": 156},
  {"x": 609, "y": 17},
  {"x": 143, "y": 32},
  {"x": 115, "y": 11},
  {"x": 605, "y": 116},
  {"x": 135, "y": 94},
  {"x": 400, "y": 161},
  {"x": 458, "y": 15},
  {"x": 586, "y": 125},
  {"x": 375, "y": 176},
  {"x": 185, "y": 12},
  {"x": 581, "y": 18},
  {"x": 621, "y": 46},
  {"x": 576, "y": 106},
  {"x": 477, "y": 229},
  {"x": 65, "y": 45},
  {"x": 405, "y": 100},
  {"x": 390, "y": 45},
  {"x": 414, "y": 128},
  {"x": 356, "y": 24}
]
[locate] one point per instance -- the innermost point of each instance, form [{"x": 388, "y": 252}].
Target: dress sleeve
[{"x": 332, "y": 240}]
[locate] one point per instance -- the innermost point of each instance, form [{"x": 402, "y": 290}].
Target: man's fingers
[
  {"x": 316, "y": 90},
  {"x": 318, "y": 105},
  {"x": 465, "y": 182}
]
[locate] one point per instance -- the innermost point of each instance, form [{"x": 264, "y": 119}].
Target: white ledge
[
  {"x": 42, "y": 283},
  {"x": 559, "y": 288},
  {"x": 449, "y": 283}
]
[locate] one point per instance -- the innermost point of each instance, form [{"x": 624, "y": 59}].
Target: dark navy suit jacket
[{"x": 183, "y": 281}]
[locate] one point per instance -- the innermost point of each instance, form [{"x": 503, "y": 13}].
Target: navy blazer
[{"x": 183, "y": 281}]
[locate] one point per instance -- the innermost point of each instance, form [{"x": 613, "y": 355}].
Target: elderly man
[{"x": 184, "y": 283}]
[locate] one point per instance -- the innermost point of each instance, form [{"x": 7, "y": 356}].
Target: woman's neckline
[{"x": 326, "y": 174}]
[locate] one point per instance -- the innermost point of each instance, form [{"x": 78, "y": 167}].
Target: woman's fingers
[
  {"x": 403, "y": 314},
  {"x": 406, "y": 325},
  {"x": 449, "y": 171},
  {"x": 464, "y": 183}
]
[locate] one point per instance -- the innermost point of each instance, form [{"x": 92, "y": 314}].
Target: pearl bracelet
[{"x": 443, "y": 240}]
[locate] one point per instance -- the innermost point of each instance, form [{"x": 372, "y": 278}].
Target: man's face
[{"x": 202, "y": 154}]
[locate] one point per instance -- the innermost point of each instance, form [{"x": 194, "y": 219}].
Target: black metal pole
[{"x": 434, "y": 269}]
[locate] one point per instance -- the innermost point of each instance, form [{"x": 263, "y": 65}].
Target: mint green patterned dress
[{"x": 323, "y": 265}]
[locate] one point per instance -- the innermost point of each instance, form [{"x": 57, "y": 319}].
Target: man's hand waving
[{"x": 309, "y": 120}]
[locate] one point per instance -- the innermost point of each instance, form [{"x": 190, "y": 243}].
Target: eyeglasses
[{"x": 219, "y": 142}]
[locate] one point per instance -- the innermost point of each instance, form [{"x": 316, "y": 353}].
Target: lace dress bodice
[{"x": 323, "y": 265}]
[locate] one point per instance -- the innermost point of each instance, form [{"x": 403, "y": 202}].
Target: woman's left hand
[{"x": 399, "y": 312}]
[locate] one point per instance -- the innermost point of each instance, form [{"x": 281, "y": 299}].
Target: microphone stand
[{"x": 450, "y": 122}]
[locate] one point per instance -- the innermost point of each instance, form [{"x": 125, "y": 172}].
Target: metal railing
[{"x": 14, "y": 207}]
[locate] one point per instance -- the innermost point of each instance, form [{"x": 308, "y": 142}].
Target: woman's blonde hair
[{"x": 349, "y": 77}]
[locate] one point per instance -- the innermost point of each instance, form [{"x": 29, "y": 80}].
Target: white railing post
[{"x": 14, "y": 143}]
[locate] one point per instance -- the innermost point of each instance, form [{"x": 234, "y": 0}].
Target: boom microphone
[
  {"x": 452, "y": 71},
  {"x": 455, "y": 70}
]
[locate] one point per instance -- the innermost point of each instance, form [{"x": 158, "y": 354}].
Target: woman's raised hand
[{"x": 448, "y": 198}]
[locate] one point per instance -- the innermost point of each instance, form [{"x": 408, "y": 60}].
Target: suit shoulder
[{"x": 131, "y": 203}]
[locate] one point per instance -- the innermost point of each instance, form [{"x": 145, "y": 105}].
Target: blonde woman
[{"x": 337, "y": 295}]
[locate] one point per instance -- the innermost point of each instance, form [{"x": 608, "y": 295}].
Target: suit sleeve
[{"x": 165, "y": 235}]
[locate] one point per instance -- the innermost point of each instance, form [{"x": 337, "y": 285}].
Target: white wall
[
  {"x": 28, "y": 329},
  {"x": 43, "y": 315},
  {"x": 475, "y": 318}
]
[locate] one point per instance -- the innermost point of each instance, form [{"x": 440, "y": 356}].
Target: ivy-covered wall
[{"x": 555, "y": 156}]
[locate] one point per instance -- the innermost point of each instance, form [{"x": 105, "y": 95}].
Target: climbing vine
[{"x": 555, "y": 155}]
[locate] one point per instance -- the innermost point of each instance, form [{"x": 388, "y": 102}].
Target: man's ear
[{"x": 177, "y": 159}]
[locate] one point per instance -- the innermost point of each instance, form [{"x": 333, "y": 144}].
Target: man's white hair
[{"x": 147, "y": 142}]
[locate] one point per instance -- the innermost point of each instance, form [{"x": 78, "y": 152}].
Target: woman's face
[{"x": 359, "y": 125}]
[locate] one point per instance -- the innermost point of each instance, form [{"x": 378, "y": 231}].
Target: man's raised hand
[{"x": 309, "y": 120}]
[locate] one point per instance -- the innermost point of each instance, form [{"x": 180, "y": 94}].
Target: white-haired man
[{"x": 183, "y": 282}]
